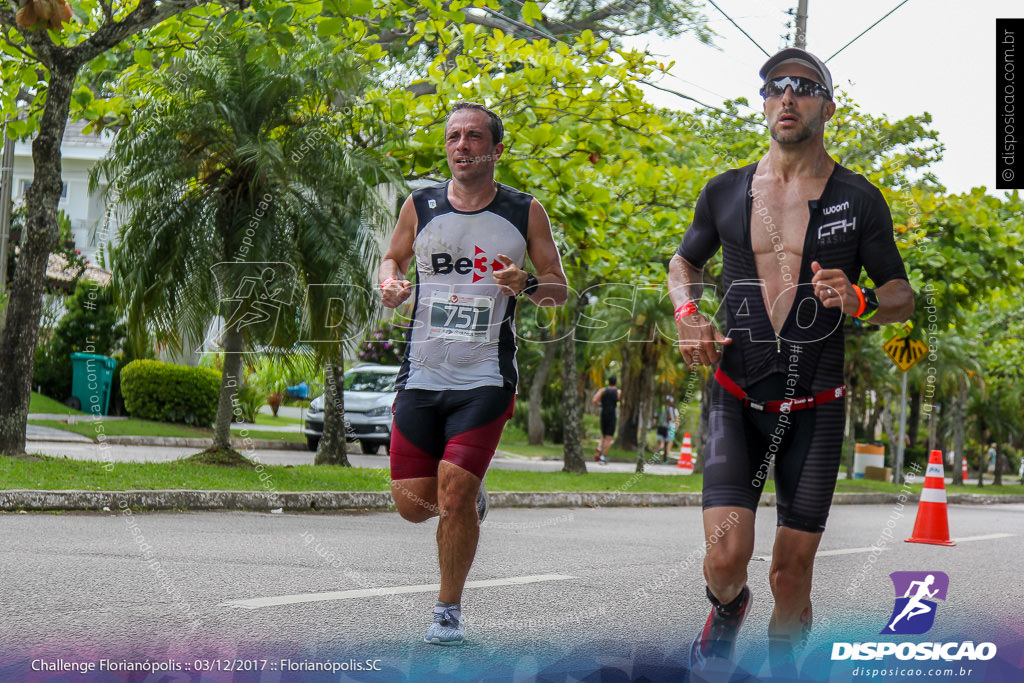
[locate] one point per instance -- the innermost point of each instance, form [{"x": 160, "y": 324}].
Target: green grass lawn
[
  {"x": 48, "y": 473},
  {"x": 279, "y": 421},
  {"x": 134, "y": 427},
  {"x": 45, "y": 404}
]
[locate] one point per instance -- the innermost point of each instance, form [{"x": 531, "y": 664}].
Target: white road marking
[
  {"x": 986, "y": 537},
  {"x": 847, "y": 551},
  {"x": 854, "y": 551},
  {"x": 257, "y": 603}
]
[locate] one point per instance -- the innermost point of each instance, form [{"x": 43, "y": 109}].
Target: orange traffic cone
[
  {"x": 965, "y": 470},
  {"x": 932, "y": 524},
  {"x": 686, "y": 455}
]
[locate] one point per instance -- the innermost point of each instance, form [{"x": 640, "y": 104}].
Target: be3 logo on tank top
[
  {"x": 445, "y": 263},
  {"x": 838, "y": 225}
]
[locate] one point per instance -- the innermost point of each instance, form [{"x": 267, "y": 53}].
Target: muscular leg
[
  {"x": 728, "y": 550},
  {"x": 790, "y": 578},
  {"x": 458, "y": 530},
  {"x": 416, "y": 499}
]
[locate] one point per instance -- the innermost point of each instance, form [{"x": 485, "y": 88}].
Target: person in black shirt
[
  {"x": 608, "y": 399},
  {"x": 795, "y": 230}
]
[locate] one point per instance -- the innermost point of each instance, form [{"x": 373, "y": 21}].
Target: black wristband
[
  {"x": 870, "y": 303},
  {"x": 532, "y": 283}
]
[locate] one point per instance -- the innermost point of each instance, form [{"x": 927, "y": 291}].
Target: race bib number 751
[{"x": 461, "y": 317}]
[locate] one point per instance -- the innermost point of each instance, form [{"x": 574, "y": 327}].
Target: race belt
[{"x": 784, "y": 406}]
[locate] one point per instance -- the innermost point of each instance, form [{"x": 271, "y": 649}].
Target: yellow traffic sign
[{"x": 905, "y": 352}]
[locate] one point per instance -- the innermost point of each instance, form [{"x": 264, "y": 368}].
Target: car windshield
[{"x": 370, "y": 381}]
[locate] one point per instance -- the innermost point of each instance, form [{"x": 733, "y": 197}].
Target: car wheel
[
  {"x": 369, "y": 447},
  {"x": 313, "y": 442},
  {"x": 73, "y": 403}
]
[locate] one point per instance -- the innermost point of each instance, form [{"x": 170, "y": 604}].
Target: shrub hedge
[{"x": 170, "y": 393}]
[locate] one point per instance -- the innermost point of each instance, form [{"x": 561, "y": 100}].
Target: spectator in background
[
  {"x": 667, "y": 427},
  {"x": 608, "y": 399}
]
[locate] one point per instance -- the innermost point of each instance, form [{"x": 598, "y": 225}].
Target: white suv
[{"x": 369, "y": 395}]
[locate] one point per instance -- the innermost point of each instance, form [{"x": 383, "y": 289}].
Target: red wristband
[
  {"x": 860, "y": 298},
  {"x": 387, "y": 282},
  {"x": 689, "y": 308}
]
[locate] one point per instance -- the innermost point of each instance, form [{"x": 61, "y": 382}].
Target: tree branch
[
  {"x": 491, "y": 19},
  {"x": 146, "y": 15},
  {"x": 108, "y": 12},
  {"x": 593, "y": 20}
]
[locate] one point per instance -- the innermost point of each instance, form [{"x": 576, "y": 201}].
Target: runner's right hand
[
  {"x": 698, "y": 338},
  {"x": 395, "y": 292}
]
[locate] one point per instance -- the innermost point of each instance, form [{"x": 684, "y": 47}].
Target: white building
[{"x": 86, "y": 210}]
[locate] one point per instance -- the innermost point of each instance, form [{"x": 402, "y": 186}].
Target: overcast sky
[{"x": 935, "y": 56}]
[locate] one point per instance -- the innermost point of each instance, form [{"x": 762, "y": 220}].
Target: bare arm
[
  {"x": 698, "y": 337},
  {"x": 895, "y": 303},
  {"x": 553, "y": 288},
  {"x": 398, "y": 257},
  {"x": 833, "y": 288},
  {"x": 597, "y": 396}
]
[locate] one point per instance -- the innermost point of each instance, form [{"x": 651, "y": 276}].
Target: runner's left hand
[
  {"x": 833, "y": 288},
  {"x": 511, "y": 279}
]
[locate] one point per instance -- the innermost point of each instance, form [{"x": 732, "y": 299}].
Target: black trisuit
[{"x": 850, "y": 227}]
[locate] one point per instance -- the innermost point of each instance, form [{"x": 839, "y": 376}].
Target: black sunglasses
[{"x": 802, "y": 87}]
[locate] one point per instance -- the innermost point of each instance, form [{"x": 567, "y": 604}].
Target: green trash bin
[{"x": 91, "y": 380}]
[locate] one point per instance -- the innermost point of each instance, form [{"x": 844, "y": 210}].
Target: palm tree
[
  {"x": 636, "y": 332},
  {"x": 240, "y": 185}
]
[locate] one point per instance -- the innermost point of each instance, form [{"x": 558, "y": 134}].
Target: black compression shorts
[
  {"x": 806, "y": 447},
  {"x": 607, "y": 424},
  {"x": 460, "y": 426}
]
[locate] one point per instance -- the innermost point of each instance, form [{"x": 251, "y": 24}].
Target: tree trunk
[
  {"x": 933, "y": 438},
  {"x": 959, "y": 414},
  {"x": 889, "y": 424},
  {"x": 535, "y": 421},
  {"x": 230, "y": 380},
  {"x": 332, "y": 447},
  {"x": 646, "y": 402},
  {"x": 641, "y": 441},
  {"x": 998, "y": 477},
  {"x": 871, "y": 427},
  {"x": 24, "y": 307},
  {"x": 850, "y": 441},
  {"x": 631, "y": 384},
  {"x": 572, "y": 430},
  {"x": 701, "y": 441},
  {"x": 914, "y": 419}
]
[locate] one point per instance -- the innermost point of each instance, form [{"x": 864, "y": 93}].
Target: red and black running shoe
[{"x": 715, "y": 643}]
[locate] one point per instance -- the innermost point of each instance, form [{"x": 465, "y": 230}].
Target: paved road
[{"x": 616, "y": 587}]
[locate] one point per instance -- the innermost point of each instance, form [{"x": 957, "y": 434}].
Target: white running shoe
[{"x": 447, "y": 628}]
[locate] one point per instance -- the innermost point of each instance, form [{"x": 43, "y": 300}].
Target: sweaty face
[
  {"x": 469, "y": 145},
  {"x": 791, "y": 119}
]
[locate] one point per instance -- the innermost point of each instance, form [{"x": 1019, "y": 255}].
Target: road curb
[
  {"x": 311, "y": 501},
  {"x": 186, "y": 442}
]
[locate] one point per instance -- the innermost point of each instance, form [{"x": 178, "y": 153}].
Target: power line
[
  {"x": 740, "y": 28},
  {"x": 657, "y": 87},
  {"x": 703, "y": 104},
  {"x": 868, "y": 28}
]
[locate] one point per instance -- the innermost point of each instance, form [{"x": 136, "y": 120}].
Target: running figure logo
[{"x": 914, "y": 612}]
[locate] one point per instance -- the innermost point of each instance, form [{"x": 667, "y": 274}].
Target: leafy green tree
[
  {"x": 39, "y": 86},
  {"x": 580, "y": 137},
  {"x": 245, "y": 198}
]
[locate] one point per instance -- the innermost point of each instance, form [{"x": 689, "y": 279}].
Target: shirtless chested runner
[{"x": 795, "y": 230}]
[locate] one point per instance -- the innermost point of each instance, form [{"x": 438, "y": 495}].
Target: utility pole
[
  {"x": 801, "y": 25},
  {"x": 6, "y": 180}
]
